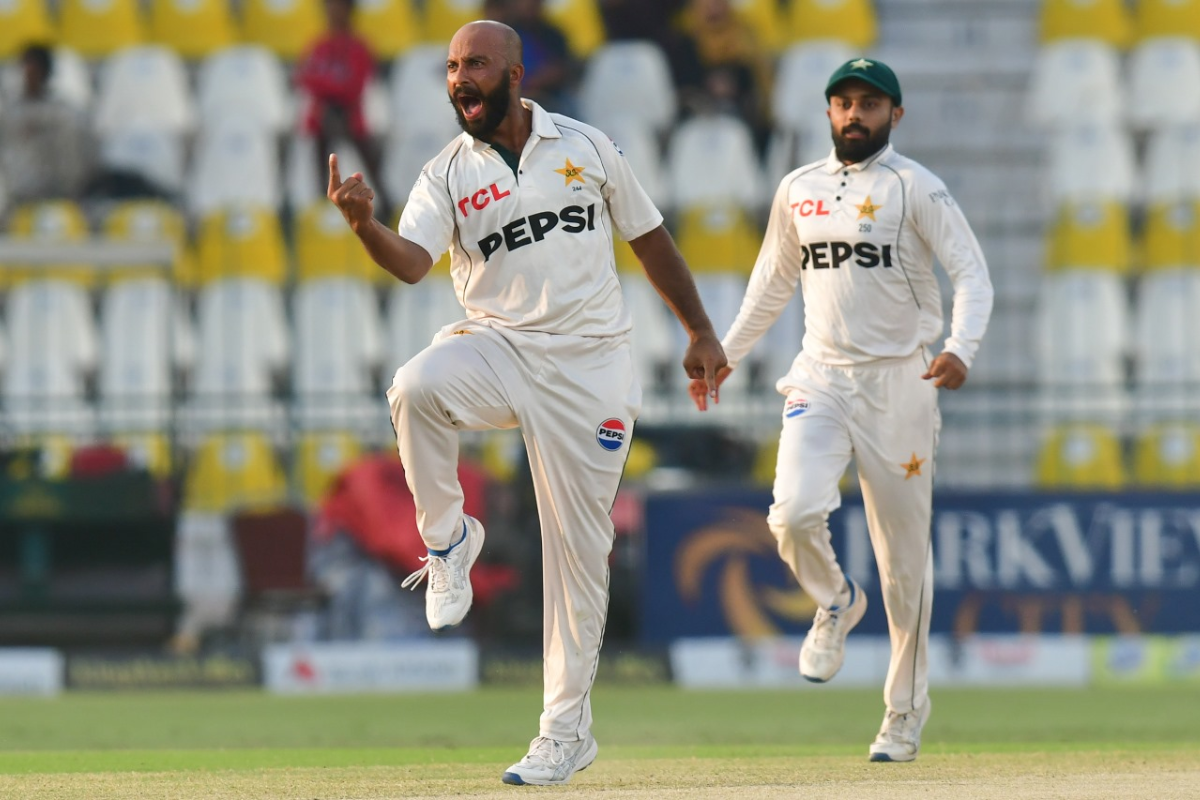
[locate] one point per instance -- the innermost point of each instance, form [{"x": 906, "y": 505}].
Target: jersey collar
[
  {"x": 833, "y": 165},
  {"x": 543, "y": 126}
]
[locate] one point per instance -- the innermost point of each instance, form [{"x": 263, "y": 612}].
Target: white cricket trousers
[
  {"x": 886, "y": 417},
  {"x": 575, "y": 399}
]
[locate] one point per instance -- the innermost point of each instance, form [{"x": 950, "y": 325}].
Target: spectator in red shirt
[{"x": 334, "y": 74}]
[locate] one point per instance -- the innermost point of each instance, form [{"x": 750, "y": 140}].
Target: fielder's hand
[
  {"x": 353, "y": 196},
  {"x": 949, "y": 370},
  {"x": 703, "y": 362},
  {"x": 700, "y": 393}
]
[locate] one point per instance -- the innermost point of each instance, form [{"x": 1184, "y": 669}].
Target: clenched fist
[{"x": 353, "y": 196}]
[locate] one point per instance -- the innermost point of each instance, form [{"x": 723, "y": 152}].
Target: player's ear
[
  {"x": 897, "y": 113},
  {"x": 516, "y": 73}
]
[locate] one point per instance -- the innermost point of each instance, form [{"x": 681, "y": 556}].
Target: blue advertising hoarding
[{"x": 1003, "y": 563}]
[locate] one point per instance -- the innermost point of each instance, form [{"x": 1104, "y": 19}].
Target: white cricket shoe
[
  {"x": 824, "y": 647},
  {"x": 899, "y": 737},
  {"x": 550, "y": 762},
  {"x": 448, "y": 596}
]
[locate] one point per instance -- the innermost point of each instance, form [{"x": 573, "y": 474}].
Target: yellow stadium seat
[
  {"x": 51, "y": 221},
  {"x": 1167, "y": 18},
  {"x": 54, "y": 452},
  {"x": 149, "y": 450},
  {"x": 580, "y": 22},
  {"x": 1080, "y": 457},
  {"x": 22, "y": 22},
  {"x": 1106, "y": 20},
  {"x": 327, "y": 248},
  {"x": 192, "y": 28},
  {"x": 1167, "y": 456},
  {"x": 151, "y": 221},
  {"x": 287, "y": 27},
  {"x": 850, "y": 21},
  {"x": 718, "y": 239},
  {"x": 627, "y": 260},
  {"x": 1091, "y": 235},
  {"x": 1172, "y": 237},
  {"x": 241, "y": 243},
  {"x": 234, "y": 471},
  {"x": 389, "y": 26},
  {"x": 443, "y": 18},
  {"x": 97, "y": 28},
  {"x": 765, "y": 17},
  {"x": 318, "y": 460}
]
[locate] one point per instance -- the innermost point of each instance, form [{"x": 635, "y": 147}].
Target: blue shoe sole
[
  {"x": 513, "y": 779},
  {"x": 876, "y": 757}
]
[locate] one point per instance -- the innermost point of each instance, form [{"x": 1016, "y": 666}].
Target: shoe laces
[
  {"x": 899, "y": 727},
  {"x": 826, "y": 626},
  {"x": 438, "y": 570},
  {"x": 549, "y": 751}
]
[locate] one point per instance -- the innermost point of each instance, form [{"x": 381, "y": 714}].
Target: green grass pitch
[{"x": 654, "y": 742}]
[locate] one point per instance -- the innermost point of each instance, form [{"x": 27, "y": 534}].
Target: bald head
[{"x": 488, "y": 37}]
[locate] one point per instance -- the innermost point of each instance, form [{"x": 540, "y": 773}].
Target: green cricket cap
[{"x": 876, "y": 73}]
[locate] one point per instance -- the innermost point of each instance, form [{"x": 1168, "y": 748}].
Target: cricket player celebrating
[
  {"x": 859, "y": 232},
  {"x": 527, "y": 203}
]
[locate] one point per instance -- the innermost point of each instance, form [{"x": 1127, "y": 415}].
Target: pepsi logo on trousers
[
  {"x": 795, "y": 407},
  {"x": 611, "y": 434}
]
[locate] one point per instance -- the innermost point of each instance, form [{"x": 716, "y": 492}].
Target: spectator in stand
[
  {"x": 46, "y": 148},
  {"x": 722, "y": 67},
  {"x": 639, "y": 19},
  {"x": 550, "y": 72},
  {"x": 334, "y": 74}
]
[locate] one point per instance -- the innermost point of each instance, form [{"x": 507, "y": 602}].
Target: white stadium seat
[
  {"x": 246, "y": 81},
  {"x": 1075, "y": 81},
  {"x": 712, "y": 160},
  {"x": 1172, "y": 170},
  {"x": 638, "y": 143},
  {"x": 236, "y": 161},
  {"x": 1166, "y": 329},
  {"x": 628, "y": 79},
  {"x": 414, "y": 316},
  {"x": 1164, "y": 83},
  {"x": 144, "y": 87},
  {"x": 154, "y": 153},
  {"x": 1091, "y": 163},
  {"x": 406, "y": 151},
  {"x": 798, "y": 97},
  {"x": 417, "y": 91}
]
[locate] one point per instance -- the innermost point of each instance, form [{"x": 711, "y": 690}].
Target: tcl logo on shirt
[
  {"x": 479, "y": 200},
  {"x": 809, "y": 208},
  {"x": 831, "y": 255}
]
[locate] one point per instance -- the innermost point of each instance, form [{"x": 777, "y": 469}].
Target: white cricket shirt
[
  {"x": 533, "y": 250},
  {"x": 861, "y": 239}
]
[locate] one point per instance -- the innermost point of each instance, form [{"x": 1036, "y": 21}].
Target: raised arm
[{"x": 406, "y": 260}]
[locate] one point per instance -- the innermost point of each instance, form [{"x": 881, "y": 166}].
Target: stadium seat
[
  {"x": 1080, "y": 457},
  {"x": 798, "y": 96},
  {"x": 1164, "y": 83},
  {"x": 1167, "y": 456},
  {"x": 443, "y": 18},
  {"x": 1106, "y": 20},
  {"x": 144, "y": 87},
  {"x": 99, "y": 28},
  {"x": 389, "y": 26},
  {"x": 286, "y": 27},
  {"x": 22, "y": 22},
  {"x": 415, "y": 313},
  {"x": 154, "y": 154},
  {"x": 192, "y": 28},
  {"x": 248, "y": 82},
  {"x": 327, "y": 248},
  {"x": 638, "y": 144},
  {"x": 628, "y": 78},
  {"x": 51, "y": 348},
  {"x": 151, "y": 221},
  {"x": 1166, "y": 329},
  {"x": 418, "y": 80},
  {"x": 150, "y": 451},
  {"x": 52, "y": 222},
  {"x": 406, "y": 152},
  {"x": 711, "y": 160},
  {"x": 850, "y": 21},
  {"x": 242, "y": 347},
  {"x": 70, "y": 78},
  {"x": 580, "y": 22},
  {"x": 1090, "y": 235},
  {"x": 1172, "y": 167},
  {"x": 1090, "y": 163},
  {"x": 1082, "y": 336},
  {"x": 320, "y": 457},
  {"x": 1075, "y": 81},
  {"x": 653, "y": 338},
  {"x": 241, "y": 242},
  {"x": 234, "y": 471},
  {"x": 236, "y": 163},
  {"x": 1171, "y": 235},
  {"x": 1167, "y": 18},
  {"x": 765, "y": 18},
  {"x": 338, "y": 345}
]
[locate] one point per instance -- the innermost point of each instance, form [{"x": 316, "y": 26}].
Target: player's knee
[
  {"x": 797, "y": 516},
  {"x": 416, "y": 382}
]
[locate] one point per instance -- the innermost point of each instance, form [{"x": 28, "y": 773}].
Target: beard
[
  {"x": 495, "y": 109},
  {"x": 852, "y": 151}
]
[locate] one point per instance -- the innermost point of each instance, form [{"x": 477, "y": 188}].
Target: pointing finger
[{"x": 335, "y": 177}]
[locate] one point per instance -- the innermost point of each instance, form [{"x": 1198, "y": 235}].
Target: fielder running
[
  {"x": 527, "y": 203},
  {"x": 859, "y": 232}
]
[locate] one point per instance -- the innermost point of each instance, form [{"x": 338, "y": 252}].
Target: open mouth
[{"x": 472, "y": 107}]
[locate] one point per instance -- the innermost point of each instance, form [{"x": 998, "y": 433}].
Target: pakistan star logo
[
  {"x": 571, "y": 173},
  {"x": 862, "y": 63},
  {"x": 867, "y": 209},
  {"x": 913, "y": 467}
]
